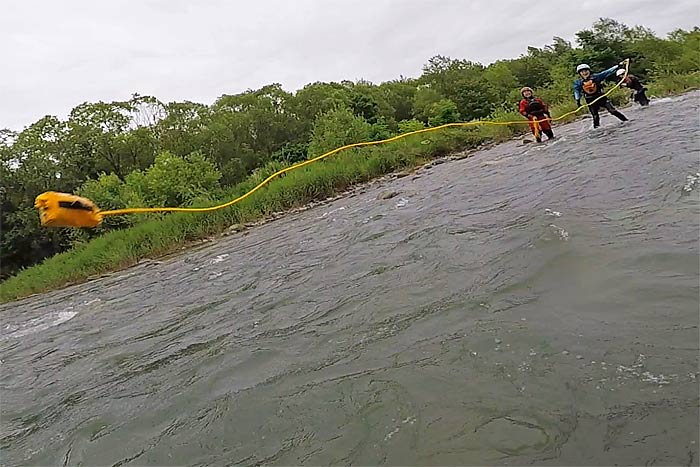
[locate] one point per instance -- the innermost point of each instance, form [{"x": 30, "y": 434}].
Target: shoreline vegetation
[
  {"x": 166, "y": 237},
  {"x": 166, "y": 164}
]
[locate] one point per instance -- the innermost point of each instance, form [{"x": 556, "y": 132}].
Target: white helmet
[
  {"x": 620, "y": 72},
  {"x": 582, "y": 66}
]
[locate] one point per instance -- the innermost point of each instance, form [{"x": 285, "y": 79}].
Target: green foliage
[
  {"x": 106, "y": 191},
  {"x": 604, "y": 44},
  {"x": 261, "y": 173},
  {"x": 674, "y": 84},
  {"x": 407, "y": 126},
  {"x": 399, "y": 95},
  {"x": 291, "y": 153},
  {"x": 364, "y": 106},
  {"x": 176, "y": 181},
  {"x": 380, "y": 129},
  {"x": 443, "y": 111},
  {"x": 317, "y": 98},
  {"x": 337, "y": 128},
  {"x": 423, "y": 101},
  {"x": 502, "y": 82}
]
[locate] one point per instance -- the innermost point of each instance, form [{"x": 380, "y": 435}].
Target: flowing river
[{"x": 529, "y": 304}]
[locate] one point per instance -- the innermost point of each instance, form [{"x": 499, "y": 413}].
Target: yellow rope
[
  {"x": 349, "y": 146},
  {"x": 537, "y": 127}
]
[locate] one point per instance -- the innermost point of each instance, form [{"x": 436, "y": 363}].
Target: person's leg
[
  {"x": 594, "y": 109},
  {"x": 642, "y": 97},
  {"x": 613, "y": 111},
  {"x": 546, "y": 126}
]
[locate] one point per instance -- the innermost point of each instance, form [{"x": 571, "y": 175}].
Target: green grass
[
  {"x": 163, "y": 234},
  {"x": 674, "y": 84}
]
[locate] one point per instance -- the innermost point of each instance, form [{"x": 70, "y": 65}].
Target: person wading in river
[
  {"x": 533, "y": 108},
  {"x": 590, "y": 87},
  {"x": 632, "y": 82}
]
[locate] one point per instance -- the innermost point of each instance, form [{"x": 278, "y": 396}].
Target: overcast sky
[{"x": 58, "y": 54}]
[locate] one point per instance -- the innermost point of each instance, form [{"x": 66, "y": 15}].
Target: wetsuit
[
  {"x": 591, "y": 89},
  {"x": 639, "y": 94},
  {"x": 534, "y": 108}
]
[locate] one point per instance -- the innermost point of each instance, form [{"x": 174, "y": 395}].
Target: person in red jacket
[{"x": 533, "y": 108}]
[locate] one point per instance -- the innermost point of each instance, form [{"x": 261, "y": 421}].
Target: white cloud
[{"x": 59, "y": 54}]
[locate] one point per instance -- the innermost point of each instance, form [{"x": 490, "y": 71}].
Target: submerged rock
[{"x": 388, "y": 194}]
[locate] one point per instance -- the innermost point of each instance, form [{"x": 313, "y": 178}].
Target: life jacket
[
  {"x": 590, "y": 87},
  {"x": 534, "y": 106}
]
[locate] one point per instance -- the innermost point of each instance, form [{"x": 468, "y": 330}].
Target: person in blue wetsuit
[{"x": 590, "y": 87}]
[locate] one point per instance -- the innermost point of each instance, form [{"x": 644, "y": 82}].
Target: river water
[{"x": 530, "y": 304}]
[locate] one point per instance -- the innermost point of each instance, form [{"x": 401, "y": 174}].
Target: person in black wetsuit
[
  {"x": 590, "y": 86},
  {"x": 632, "y": 82}
]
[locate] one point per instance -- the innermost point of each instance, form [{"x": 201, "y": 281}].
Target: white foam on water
[
  {"x": 219, "y": 258},
  {"x": 44, "y": 322},
  {"x": 549, "y": 212},
  {"x": 554, "y": 141},
  {"x": 663, "y": 100},
  {"x": 41, "y": 323},
  {"x": 584, "y": 127},
  {"x": 547, "y": 143},
  {"x": 638, "y": 371},
  {"x": 563, "y": 234},
  {"x": 215, "y": 260},
  {"x": 401, "y": 203},
  {"x": 691, "y": 181},
  {"x": 409, "y": 420},
  {"x": 391, "y": 433},
  {"x": 328, "y": 213}
]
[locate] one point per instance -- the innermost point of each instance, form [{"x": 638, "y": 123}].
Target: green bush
[
  {"x": 380, "y": 130},
  {"x": 443, "y": 111},
  {"x": 106, "y": 191},
  {"x": 175, "y": 181},
  {"x": 337, "y": 128},
  {"x": 407, "y": 126}
]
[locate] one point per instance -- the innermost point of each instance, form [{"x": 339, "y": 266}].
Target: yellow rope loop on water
[{"x": 65, "y": 210}]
